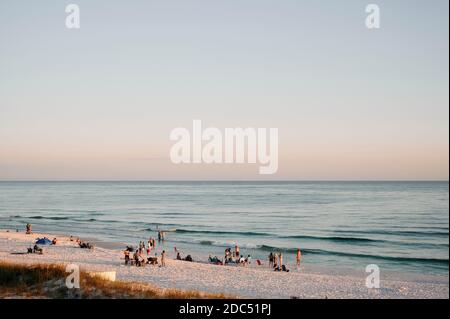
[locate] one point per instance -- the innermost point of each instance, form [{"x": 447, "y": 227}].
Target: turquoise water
[{"x": 400, "y": 226}]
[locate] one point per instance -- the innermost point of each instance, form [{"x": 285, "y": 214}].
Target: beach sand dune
[{"x": 237, "y": 281}]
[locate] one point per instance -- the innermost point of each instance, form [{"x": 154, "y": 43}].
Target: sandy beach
[{"x": 242, "y": 282}]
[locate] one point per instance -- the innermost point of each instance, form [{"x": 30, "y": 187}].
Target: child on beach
[{"x": 299, "y": 257}]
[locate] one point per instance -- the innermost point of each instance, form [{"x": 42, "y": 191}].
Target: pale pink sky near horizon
[{"x": 99, "y": 103}]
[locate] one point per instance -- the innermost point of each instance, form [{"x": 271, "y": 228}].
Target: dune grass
[{"x": 48, "y": 281}]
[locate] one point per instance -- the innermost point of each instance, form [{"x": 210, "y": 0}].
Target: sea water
[{"x": 400, "y": 226}]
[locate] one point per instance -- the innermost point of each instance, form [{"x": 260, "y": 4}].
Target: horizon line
[{"x": 225, "y": 180}]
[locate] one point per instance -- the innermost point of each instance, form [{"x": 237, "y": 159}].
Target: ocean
[{"x": 400, "y": 226}]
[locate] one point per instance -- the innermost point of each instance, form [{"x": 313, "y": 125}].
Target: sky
[{"x": 99, "y": 102}]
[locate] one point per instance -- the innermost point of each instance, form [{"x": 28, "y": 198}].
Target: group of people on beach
[
  {"x": 276, "y": 262},
  {"x": 36, "y": 249},
  {"x": 231, "y": 257},
  {"x": 142, "y": 255},
  {"x": 235, "y": 256}
]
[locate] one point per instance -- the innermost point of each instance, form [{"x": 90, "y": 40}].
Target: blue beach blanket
[{"x": 43, "y": 241}]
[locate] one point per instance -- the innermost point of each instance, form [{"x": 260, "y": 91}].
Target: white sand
[{"x": 238, "y": 281}]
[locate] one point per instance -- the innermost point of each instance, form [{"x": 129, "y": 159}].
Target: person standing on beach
[
  {"x": 127, "y": 256},
  {"x": 275, "y": 260},
  {"x": 271, "y": 260},
  {"x": 280, "y": 258},
  {"x": 163, "y": 258},
  {"x": 237, "y": 251},
  {"x": 299, "y": 257}
]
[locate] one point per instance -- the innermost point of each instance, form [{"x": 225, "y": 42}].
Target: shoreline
[
  {"x": 312, "y": 269},
  {"x": 244, "y": 282}
]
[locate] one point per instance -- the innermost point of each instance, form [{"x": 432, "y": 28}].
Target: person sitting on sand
[
  {"x": 283, "y": 268},
  {"x": 188, "y": 258},
  {"x": 179, "y": 256},
  {"x": 241, "y": 260},
  {"x": 215, "y": 260},
  {"x": 227, "y": 255},
  {"x": 85, "y": 245},
  {"x": 37, "y": 250},
  {"x": 54, "y": 241}
]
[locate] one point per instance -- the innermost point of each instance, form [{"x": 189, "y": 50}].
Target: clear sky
[{"x": 100, "y": 102}]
